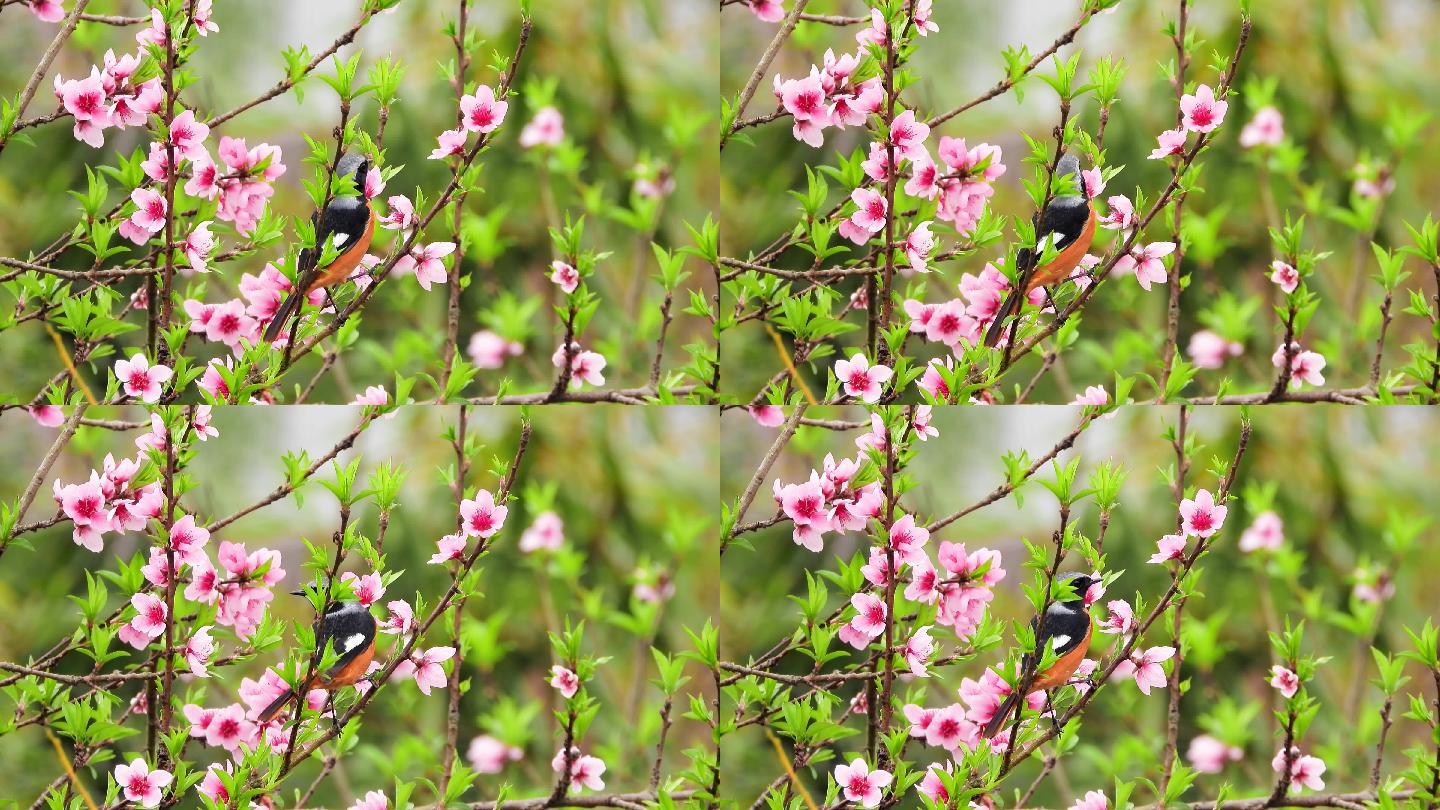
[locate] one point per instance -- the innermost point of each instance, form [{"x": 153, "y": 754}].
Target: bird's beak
[{"x": 300, "y": 592}]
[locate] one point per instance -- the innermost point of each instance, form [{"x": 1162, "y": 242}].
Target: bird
[
  {"x": 349, "y": 628},
  {"x": 349, "y": 218},
  {"x": 1067, "y": 626},
  {"x": 1068, "y": 220}
]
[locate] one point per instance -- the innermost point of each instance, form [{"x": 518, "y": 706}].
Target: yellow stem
[
  {"x": 65, "y": 762},
  {"x": 785, "y": 358},
  {"x": 785, "y": 762},
  {"x": 65, "y": 358}
]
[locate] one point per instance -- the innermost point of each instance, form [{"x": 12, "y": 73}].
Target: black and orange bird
[
  {"x": 347, "y": 218},
  {"x": 349, "y": 629},
  {"x": 1068, "y": 222},
  {"x": 1067, "y": 626}
]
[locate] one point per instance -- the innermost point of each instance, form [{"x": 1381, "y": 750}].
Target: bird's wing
[{"x": 349, "y": 632}]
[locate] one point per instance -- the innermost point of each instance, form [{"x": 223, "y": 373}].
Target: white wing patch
[
  {"x": 354, "y": 640},
  {"x": 1060, "y": 641},
  {"x": 341, "y": 238}
]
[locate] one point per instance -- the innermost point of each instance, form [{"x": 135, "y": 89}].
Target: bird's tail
[
  {"x": 276, "y": 705},
  {"x": 282, "y": 315},
  {"x": 1002, "y": 714},
  {"x": 1013, "y": 301}
]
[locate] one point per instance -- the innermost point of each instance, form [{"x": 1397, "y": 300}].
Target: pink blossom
[
  {"x": 1094, "y": 395},
  {"x": 140, "y": 784},
  {"x": 1285, "y": 276},
  {"x": 228, "y": 323},
  {"x": 197, "y": 651},
  {"x": 1201, "y": 517},
  {"x": 401, "y": 620},
  {"x": 1169, "y": 547},
  {"x": 767, "y": 10},
  {"x": 374, "y": 183},
  {"x": 140, "y": 379},
  {"x": 1305, "y": 366},
  {"x": 1209, "y": 350},
  {"x": 805, "y": 503},
  {"x": 1172, "y": 142},
  {"x": 211, "y": 786},
  {"x": 564, "y": 680},
  {"x": 47, "y": 415},
  {"x": 870, "y": 614},
  {"x": 1144, "y": 667},
  {"x": 1267, "y": 532},
  {"x": 487, "y": 754},
  {"x": 187, "y": 540},
  {"x": 949, "y": 323},
  {"x": 425, "y": 667},
  {"x": 877, "y": 165},
  {"x": 924, "y": 179},
  {"x": 373, "y": 800},
  {"x": 860, "y": 784},
  {"x": 908, "y": 136},
  {"x": 804, "y": 98},
  {"x": 958, "y": 563},
  {"x": 201, "y": 18},
  {"x": 401, "y": 216},
  {"x": 948, "y": 728},
  {"x": 197, "y": 246},
  {"x": 452, "y": 142},
  {"x": 50, "y": 11},
  {"x": 425, "y": 262},
  {"x": 586, "y": 367},
  {"x": 85, "y": 99},
  {"x": 1305, "y": 771},
  {"x": 450, "y": 547},
  {"x": 1373, "y": 586},
  {"x": 487, "y": 349},
  {"x": 918, "y": 650},
  {"x": 150, "y": 614},
  {"x": 1092, "y": 800},
  {"x": 481, "y": 112},
  {"x": 204, "y": 179},
  {"x": 933, "y": 382},
  {"x": 368, "y": 588},
  {"x": 1121, "y": 619},
  {"x": 766, "y": 415},
  {"x": 188, "y": 136},
  {"x": 229, "y": 728},
  {"x": 907, "y": 540},
  {"x": 150, "y": 209},
  {"x": 547, "y": 532},
  {"x": 1284, "y": 680},
  {"x": 862, "y": 380},
  {"x": 1201, "y": 112},
  {"x": 1121, "y": 216},
  {"x": 1093, "y": 180},
  {"x": 1145, "y": 262},
  {"x": 373, "y": 395},
  {"x": 921, "y": 424},
  {"x": 1209, "y": 755},
  {"x": 547, "y": 128},
  {"x": 482, "y": 516},
  {"x": 1266, "y": 128},
  {"x": 870, "y": 210},
  {"x": 585, "y": 770},
  {"x": 918, "y": 246},
  {"x": 564, "y": 275},
  {"x": 877, "y": 568},
  {"x": 921, "y": 18},
  {"x": 878, "y": 33}
]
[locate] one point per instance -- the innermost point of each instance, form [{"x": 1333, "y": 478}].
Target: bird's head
[
  {"x": 1081, "y": 583},
  {"x": 356, "y": 165},
  {"x": 1070, "y": 165}
]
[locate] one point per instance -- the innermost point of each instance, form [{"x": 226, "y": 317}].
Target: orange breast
[
  {"x": 353, "y": 671},
  {"x": 1066, "y": 260},
  {"x": 1066, "y": 665},
  {"x": 346, "y": 262}
]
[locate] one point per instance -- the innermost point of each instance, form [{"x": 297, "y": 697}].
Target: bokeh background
[
  {"x": 633, "y": 80},
  {"x": 1342, "y": 67},
  {"x": 634, "y": 488},
  {"x": 1346, "y": 483}
]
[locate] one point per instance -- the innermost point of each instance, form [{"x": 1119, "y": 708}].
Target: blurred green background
[
  {"x": 633, "y": 80},
  {"x": 1345, "y": 481},
  {"x": 634, "y": 488},
  {"x": 1342, "y": 66}
]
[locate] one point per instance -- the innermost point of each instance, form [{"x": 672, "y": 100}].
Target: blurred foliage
[
  {"x": 1352, "y": 486},
  {"x": 633, "y": 487}
]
